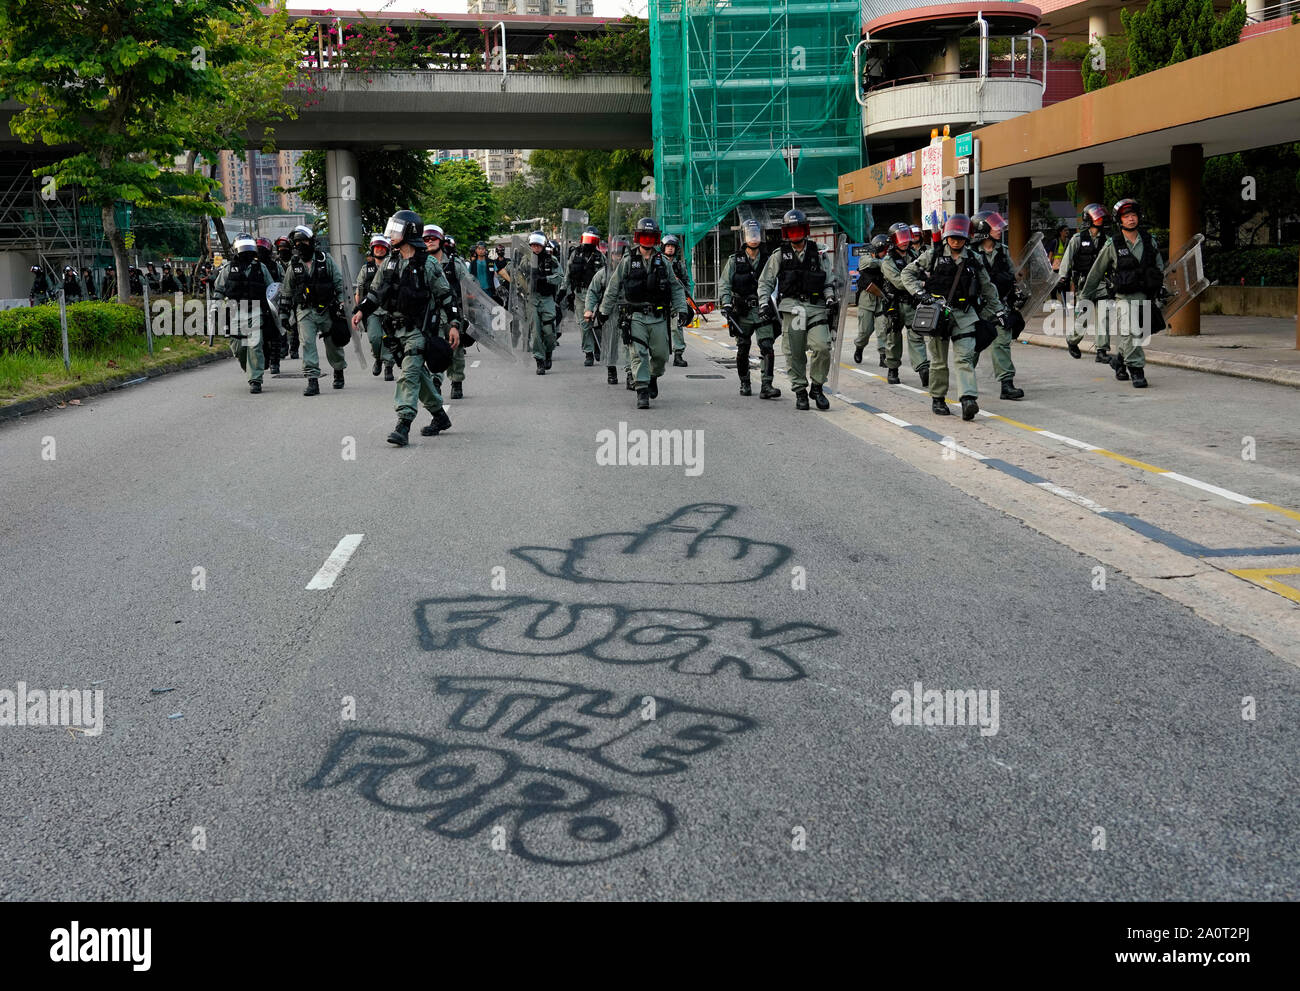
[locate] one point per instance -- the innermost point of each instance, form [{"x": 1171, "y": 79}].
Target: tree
[
  {"x": 103, "y": 77},
  {"x": 252, "y": 94},
  {"x": 1170, "y": 31},
  {"x": 388, "y": 181},
  {"x": 586, "y": 177},
  {"x": 461, "y": 201}
]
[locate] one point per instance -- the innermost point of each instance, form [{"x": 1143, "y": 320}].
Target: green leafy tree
[
  {"x": 586, "y": 177},
  {"x": 104, "y": 77},
  {"x": 461, "y": 201},
  {"x": 1170, "y": 31},
  {"x": 388, "y": 181}
]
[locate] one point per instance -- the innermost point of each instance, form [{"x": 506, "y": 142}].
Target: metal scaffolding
[{"x": 51, "y": 225}]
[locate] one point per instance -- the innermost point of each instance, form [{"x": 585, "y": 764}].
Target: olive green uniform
[
  {"x": 962, "y": 340},
  {"x": 374, "y": 322},
  {"x": 591, "y": 301},
  {"x": 684, "y": 277},
  {"x": 247, "y": 348},
  {"x": 891, "y": 267},
  {"x": 873, "y": 316},
  {"x": 540, "y": 304},
  {"x": 649, "y": 331},
  {"x": 805, "y": 325},
  {"x": 745, "y": 315},
  {"x": 1003, "y": 367},
  {"x": 1126, "y": 303},
  {"x": 1101, "y": 315},
  {"x": 314, "y": 314}
]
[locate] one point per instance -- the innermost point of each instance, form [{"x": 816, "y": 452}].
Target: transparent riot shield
[
  {"x": 1035, "y": 278},
  {"x": 519, "y": 271},
  {"x": 626, "y": 207},
  {"x": 1184, "y": 277},
  {"x": 611, "y": 338},
  {"x": 490, "y": 323},
  {"x": 839, "y": 259}
]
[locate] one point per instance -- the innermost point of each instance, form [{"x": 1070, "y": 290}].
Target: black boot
[
  {"x": 313, "y": 388},
  {"x": 612, "y": 376},
  {"x": 456, "y": 391},
  {"x": 768, "y": 360},
  {"x": 275, "y": 367},
  {"x": 925, "y": 376},
  {"x": 857, "y": 356},
  {"x": 654, "y": 387},
  {"x": 440, "y": 422},
  {"x": 800, "y": 398},
  {"x": 769, "y": 392},
  {"x": 401, "y": 433},
  {"x": 588, "y": 361},
  {"x": 678, "y": 360},
  {"x": 642, "y": 398},
  {"x": 631, "y": 386},
  {"x": 255, "y": 387},
  {"x": 1073, "y": 348},
  {"x": 541, "y": 366},
  {"x": 1009, "y": 390},
  {"x": 375, "y": 368},
  {"x": 338, "y": 379},
  {"x": 1117, "y": 363},
  {"x": 819, "y": 397},
  {"x": 549, "y": 353},
  {"x": 388, "y": 371},
  {"x": 892, "y": 377},
  {"x": 1103, "y": 356},
  {"x": 969, "y": 407},
  {"x": 883, "y": 363},
  {"x": 1139, "y": 377},
  {"x": 745, "y": 388},
  {"x": 939, "y": 406}
]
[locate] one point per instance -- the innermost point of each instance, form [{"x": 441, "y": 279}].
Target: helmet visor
[{"x": 647, "y": 239}]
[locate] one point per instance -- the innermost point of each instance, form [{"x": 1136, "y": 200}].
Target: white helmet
[
  {"x": 244, "y": 243},
  {"x": 380, "y": 239},
  {"x": 304, "y": 230},
  {"x": 537, "y": 237},
  {"x": 433, "y": 230}
]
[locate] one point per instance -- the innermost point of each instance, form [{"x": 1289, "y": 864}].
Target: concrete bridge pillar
[
  {"x": 1019, "y": 210},
  {"x": 1185, "y": 164},
  {"x": 344, "y": 211}
]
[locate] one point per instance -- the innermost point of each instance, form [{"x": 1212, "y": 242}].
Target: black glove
[
  {"x": 767, "y": 311},
  {"x": 1063, "y": 285},
  {"x": 726, "y": 312},
  {"x": 684, "y": 316}
]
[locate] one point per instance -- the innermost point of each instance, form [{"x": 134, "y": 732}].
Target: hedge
[
  {"x": 35, "y": 329},
  {"x": 1260, "y": 265}
]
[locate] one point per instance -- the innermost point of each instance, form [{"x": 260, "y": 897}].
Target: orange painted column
[
  {"x": 1018, "y": 214},
  {"x": 1185, "y": 165},
  {"x": 1089, "y": 187},
  {"x": 916, "y": 213}
]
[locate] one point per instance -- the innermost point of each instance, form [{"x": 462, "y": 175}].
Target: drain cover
[{"x": 705, "y": 376}]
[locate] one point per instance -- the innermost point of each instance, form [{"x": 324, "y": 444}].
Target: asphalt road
[{"x": 540, "y": 676}]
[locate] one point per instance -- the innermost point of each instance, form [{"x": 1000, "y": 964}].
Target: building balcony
[{"x": 916, "y": 104}]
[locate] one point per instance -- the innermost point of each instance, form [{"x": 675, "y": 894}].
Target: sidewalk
[{"x": 1259, "y": 348}]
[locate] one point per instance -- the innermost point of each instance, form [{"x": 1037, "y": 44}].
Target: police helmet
[
  {"x": 537, "y": 237},
  {"x": 880, "y": 243},
  {"x": 261, "y": 243},
  {"x": 433, "y": 230},
  {"x": 1093, "y": 215},
  {"x": 591, "y": 236},
  {"x": 379, "y": 241},
  {"x": 244, "y": 243},
  {"x": 794, "y": 226},
  {"x": 958, "y": 225},
  {"x": 901, "y": 235},
  {"x": 751, "y": 232},
  {"x": 404, "y": 228},
  {"x": 987, "y": 224},
  {"x": 1126, "y": 206},
  {"x": 36, "y": 268},
  {"x": 646, "y": 232}
]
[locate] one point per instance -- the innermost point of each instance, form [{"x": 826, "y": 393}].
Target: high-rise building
[
  {"x": 491, "y": 6},
  {"x": 501, "y": 165},
  {"x": 290, "y": 176}
]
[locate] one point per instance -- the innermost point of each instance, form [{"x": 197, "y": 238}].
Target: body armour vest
[
  {"x": 647, "y": 283},
  {"x": 941, "y": 278},
  {"x": 1132, "y": 275},
  {"x": 314, "y": 288},
  {"x": 802, "y": 280},
  {"x": 246, "y": 282}
]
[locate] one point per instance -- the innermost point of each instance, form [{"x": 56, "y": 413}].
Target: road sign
[
  {"x": 963, "y": 144},
  {"x": 963, "y": 166}
]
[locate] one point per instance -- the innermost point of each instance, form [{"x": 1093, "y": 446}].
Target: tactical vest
[
  {"x": 999, "y": 268},
  {"x": 869, "y": 274},
  {"x": 802, "y": 280},
  {"x": 453, "y": 280},
  {"x": 583, "y": 267},
  {"x": 1085, "y": 253},
  {"x": 246, "y": 283},
  {"x": 546, "y": 266},
  {"x": 1133, "y": 276},
  {"x": 315, "y": 288},
  {"x": 744, "y": 280},
  {"x": 940, "y": 278},
  {"x": 647, "y": 283},
  {"x": 368, "y": 271},
  {"x": 409, "y": 294},
  {"x": 489, "y": 267}
]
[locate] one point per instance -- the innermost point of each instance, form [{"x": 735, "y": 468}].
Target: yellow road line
[{"x": 1264, "y": 578}]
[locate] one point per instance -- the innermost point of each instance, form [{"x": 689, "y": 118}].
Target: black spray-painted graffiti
[
  {"x": 551, "y": 816},
  {"x": 684, "y": 548}
]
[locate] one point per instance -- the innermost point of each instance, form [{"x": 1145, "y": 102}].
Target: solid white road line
[{"x": 335, "y": 562}]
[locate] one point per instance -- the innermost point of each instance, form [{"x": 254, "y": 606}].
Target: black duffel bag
[{"x": 437, "y": 353}]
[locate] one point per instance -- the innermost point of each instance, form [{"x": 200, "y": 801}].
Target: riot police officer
[
  {"x": 443, "y": 250},
  {"x": 584, "y": 263},
  {"x": 738, "y": 294},
  {"x": 540, "y": 279},
  {"x": 73, "y": 290},
  {"x": 896, "y": 259},
  {"x": 876, "y": 310},
  {"x": 1076, "y": 263},
  {"x": 168, "y": 281},
  {"x": 375, "y": 257},
  {"x": 646, "y": 293},
  {"x": 41, "y": 289},
  {"x": 986, "y": 233},
  {"x": 244, "y": 280},
  {"x": 672, "y": 251},
  {"x": 312, "y": 291},
  {"x": 412, "y": 290},
  {"x": 950, "y": 275},
  {"x": 801, "y": 275},
  {"x": 591, "y": 312},
  {"x": 1132, "y": 259}
]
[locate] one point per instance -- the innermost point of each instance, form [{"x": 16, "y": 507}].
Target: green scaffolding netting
[{"x": 734, "y": 86}]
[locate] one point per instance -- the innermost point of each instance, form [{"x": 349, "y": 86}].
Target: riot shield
[
  {"x": 626, "y": 208},
  {"x": 611, "y": 338},
  {"x": 520, "y": 328},
  {"x": 1035, "y": 279},
  {"x": 490, "y": 323},
  {"x": 1184, "y": 277},
  {"x": 839, "y": 259}
]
